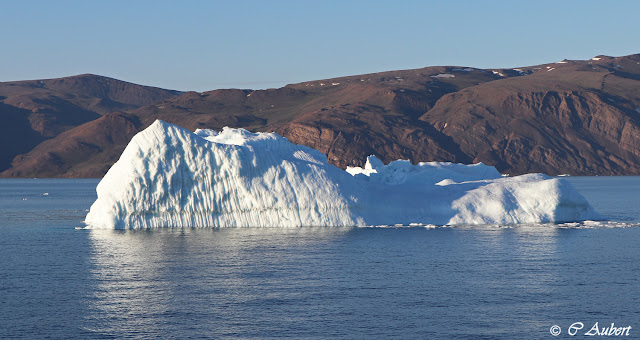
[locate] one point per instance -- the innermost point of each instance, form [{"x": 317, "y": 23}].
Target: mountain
[
  {"x": 34, "y": 111},
  {"x": 574, "y": 117},
  {"x": 580, "y": 117}
]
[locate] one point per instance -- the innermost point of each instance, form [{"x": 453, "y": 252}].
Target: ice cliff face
[{"x": 168, "y": 177}]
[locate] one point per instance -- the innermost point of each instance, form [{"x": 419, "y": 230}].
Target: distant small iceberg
[{"x": 171, "y": 177}]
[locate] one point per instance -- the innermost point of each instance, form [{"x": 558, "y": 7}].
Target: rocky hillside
[
  {"x": 574, "y": 117},
  {"x": 34, "y": 111},
  {"x": 580, "y": 117}
]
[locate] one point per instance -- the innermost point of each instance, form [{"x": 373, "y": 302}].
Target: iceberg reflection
[{"x": 148, "y": 275}]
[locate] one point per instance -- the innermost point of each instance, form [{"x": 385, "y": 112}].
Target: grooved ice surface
[{"x": 171, "y": 177}]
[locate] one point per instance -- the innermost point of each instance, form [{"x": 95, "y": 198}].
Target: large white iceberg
[{"x": 171, "y": 177}]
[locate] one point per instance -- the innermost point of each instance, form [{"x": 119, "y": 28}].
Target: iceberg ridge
[{"x": 171, "y": 177}]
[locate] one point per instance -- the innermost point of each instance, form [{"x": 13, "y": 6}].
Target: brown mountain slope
[
  {"x": 349, "y": 133},
  {"x": 36, "y": 110},
  {"x": 88, "y": 150},
  {"x": 375, "y": 107},
  {"x": 577, "y": 117}
]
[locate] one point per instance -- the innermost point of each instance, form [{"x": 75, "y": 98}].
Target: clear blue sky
[{"x": 205, "y": 45}]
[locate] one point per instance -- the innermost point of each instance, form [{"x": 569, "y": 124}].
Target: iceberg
[{"x": 171, "y": 177}]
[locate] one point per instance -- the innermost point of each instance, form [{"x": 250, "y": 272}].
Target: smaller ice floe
[
  {"x": 444, "y": 75},
  {"x": 588, "y": 224},
  {"x": 170, "y": 177},
  {"x": 446, "y": 181},
  {"x": 45, "y": 194},
  {"x": 411, "y": 225}
]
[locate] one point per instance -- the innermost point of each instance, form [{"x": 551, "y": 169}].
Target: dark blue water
[{"x": 463, "y": 283}]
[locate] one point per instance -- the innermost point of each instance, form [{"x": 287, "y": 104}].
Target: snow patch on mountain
[{"x": 444, "y": 75}]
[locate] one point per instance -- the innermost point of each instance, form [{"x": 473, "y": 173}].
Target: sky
[{"x": 206, "y": 45}]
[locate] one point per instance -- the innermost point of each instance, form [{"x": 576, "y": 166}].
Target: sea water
[{"x": 432, "y": 283}]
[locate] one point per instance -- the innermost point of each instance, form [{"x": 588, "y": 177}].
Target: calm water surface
[{"x": 445, "y": 283}]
